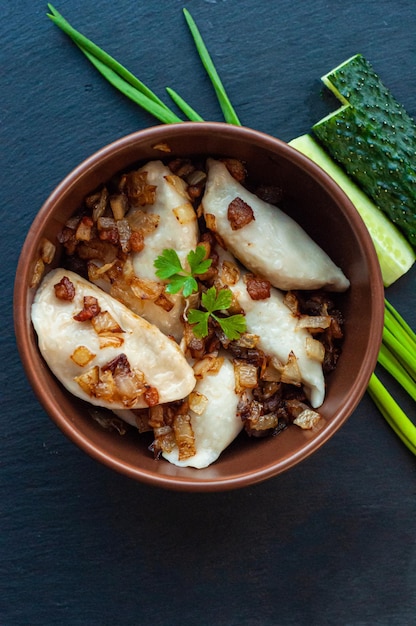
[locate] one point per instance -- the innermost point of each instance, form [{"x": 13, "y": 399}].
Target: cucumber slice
[
  {"x": 394, "y": 253},
  {"x": 374, "y": 139}
]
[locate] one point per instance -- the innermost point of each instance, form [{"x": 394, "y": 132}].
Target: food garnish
[
  {"x": 214, "y": 301},
  {"x": 169, "y": 267},
  {"x": 386, "y": 239}
]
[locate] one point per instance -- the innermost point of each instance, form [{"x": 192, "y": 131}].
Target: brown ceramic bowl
[{"x": 317, "y": 203}]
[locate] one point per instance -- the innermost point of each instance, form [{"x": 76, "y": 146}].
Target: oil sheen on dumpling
[
  {"x": 272, "y": 245},
  {"x": 219, "y": 424},
  {"x": 177, "y": 229},
  {"x": 279, "y": 332},
  {"x": 107, "y": 365}
]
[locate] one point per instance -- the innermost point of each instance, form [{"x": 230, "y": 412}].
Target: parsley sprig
[
  {"x": 169, "y": 267},
  {"x": 212, "y": 300}
]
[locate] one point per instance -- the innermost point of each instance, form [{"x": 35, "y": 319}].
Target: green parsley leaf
[
  {"x": 196, "y": 260},
  {"x": 169, "y": 268},
  {"x": 212, "y": 300},
  {"x": 200, "y": 319},
  {"x": 216, "y": 301},
  {"x": 232, "y": 326},
  {"x": 167, "y": 264}
]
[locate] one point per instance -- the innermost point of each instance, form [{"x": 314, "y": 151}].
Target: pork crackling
[{"x": 266, "y": 240}]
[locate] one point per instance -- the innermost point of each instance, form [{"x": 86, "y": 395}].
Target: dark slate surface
[{"x": 329, "y": 542}]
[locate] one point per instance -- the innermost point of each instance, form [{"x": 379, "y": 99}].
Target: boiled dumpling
[
  {"x": 219, "y": 423},
  {"x": 278, "y": 331},
  {"x": 271, "y": 244},
  {"x": 114, "y": 359},
  {"x": 177, "y": 229}
]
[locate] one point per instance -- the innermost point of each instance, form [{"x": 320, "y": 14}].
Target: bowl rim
[{"x": 23, "y": 325}]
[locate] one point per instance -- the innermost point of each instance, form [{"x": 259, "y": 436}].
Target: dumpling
[
  {"x": 219, "y": 424},
  {"x": 108, "y": 356},
  {"x": 177, "y": 229},
  {"x": 270, "y": 244},
  {"x": 278, "y": 331}
]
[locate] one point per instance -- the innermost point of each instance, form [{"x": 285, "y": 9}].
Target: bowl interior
[{"x": 317, "y": 203}]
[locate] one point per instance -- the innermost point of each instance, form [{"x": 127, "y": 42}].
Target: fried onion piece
[
  {"x": 82, "y": 356},
  {"x": 138, "y": 191},
  {"x": 184, "y": 435}
]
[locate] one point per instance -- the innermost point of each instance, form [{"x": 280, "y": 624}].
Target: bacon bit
[
  {"x": 138, "y": 190},
  {"x": 136, "y": 241},
  {"x": 64, "y": 290},
  {"x": 257, "y": 288},
  {"x": 91, "y": 309},
  {"x": 82, "y": 356},
  {"x": 239, "y": 214},
  {"x": 151, "y": 396},
  {"x": 236, "y": 169}
]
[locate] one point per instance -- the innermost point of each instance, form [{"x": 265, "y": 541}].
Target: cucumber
[
  {"x": 374, "y": 139},
  {"x": 394, "y": 253}
]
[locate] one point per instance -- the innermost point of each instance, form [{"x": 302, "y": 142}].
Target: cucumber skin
[
  {"x": 397, "y": 258},
  {"x": 375, "y": 142},
  {"x": 355, "y": 82}
]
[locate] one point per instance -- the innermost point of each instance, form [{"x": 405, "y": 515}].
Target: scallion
[
  {"x": 115, "y": 73},
  {"x": 228, "y": 111}
]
